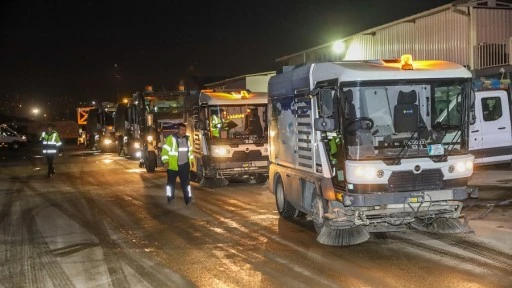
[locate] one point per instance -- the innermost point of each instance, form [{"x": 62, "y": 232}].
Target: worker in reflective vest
[
  {"x": 51, "y": 145},
  {"x": 178, "y": 159},
  {"x": 216, "y": 123}
]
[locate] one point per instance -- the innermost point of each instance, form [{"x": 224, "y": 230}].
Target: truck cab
[
  {"x": 229, "y": 135},
  {"x": 490, "y": 138},
  {"x": 490, "y": 130}
]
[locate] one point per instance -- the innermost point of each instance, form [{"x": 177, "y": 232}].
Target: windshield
[
  {"x": 238, "y": 123},
  {"x": 406, "y": 120}
]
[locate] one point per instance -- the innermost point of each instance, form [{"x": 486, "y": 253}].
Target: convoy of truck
[
  {"x": 143, "y": 122},
  {"x": 358, "y": 147}
]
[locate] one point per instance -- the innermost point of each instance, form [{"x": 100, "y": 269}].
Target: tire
[
  {"x": 151, "y": 162},
  {"x": 285, "y": 208},
  {"x": 318, "y": 210}
]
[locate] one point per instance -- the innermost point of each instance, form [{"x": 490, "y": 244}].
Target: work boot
[
  {"x": 190, "y": 202},
  {"x": 169, "y": 199}
]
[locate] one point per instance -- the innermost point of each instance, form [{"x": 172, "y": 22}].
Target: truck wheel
[
  {"x": 151, "y": 162},
  {"x": 285, "y": 208},
  {"x": 317, "y": 207}
]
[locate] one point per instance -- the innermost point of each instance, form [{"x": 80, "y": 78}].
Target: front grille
[
  {"x": 253, "y": 155},
  {"x": 408, "y": 181}
]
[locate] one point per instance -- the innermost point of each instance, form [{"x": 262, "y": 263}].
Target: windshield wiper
[
  {"x": 398, "y": 158},
  {"x": 452, "y": 143}
]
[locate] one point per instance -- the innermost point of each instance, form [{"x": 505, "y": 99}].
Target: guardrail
[{"x": 493, "y": 54}]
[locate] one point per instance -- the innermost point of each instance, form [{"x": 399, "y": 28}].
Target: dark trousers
[
  {"x": 49, "y": 161},
  {"x": 183, "y": 174}
]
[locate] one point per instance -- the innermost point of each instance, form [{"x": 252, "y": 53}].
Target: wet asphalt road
[{"x": 103, "y": 222}]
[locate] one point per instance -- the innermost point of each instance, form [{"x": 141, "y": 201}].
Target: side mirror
[{"x": 325, "y": 103}]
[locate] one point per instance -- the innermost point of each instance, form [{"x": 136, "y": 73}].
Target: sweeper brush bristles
[
  {"x": 439, "y": 225},
  {"x": 343, "y": 237}
]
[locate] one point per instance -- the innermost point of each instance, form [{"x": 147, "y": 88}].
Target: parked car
[{"x": 10, "y": 138}]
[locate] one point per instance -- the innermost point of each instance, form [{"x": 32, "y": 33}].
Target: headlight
[
  {"x": 107, "y": 141},
  {"x": 150, "y": 138},
  {"x": 368, "y": 172},
  {"x": 136, "y": 145},
  {"x": 137, "y": 154},
  {"x": 220, "y": 152},
  {"x": 461, "y": 166}
]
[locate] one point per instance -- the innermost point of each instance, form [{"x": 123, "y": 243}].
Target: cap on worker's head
[{"x": 50, "y": 125}]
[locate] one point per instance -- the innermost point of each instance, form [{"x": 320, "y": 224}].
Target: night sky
[{"x": 68, "y": 49}]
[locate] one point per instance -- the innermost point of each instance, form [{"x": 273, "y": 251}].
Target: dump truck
[{"x": 355, "y": 146}]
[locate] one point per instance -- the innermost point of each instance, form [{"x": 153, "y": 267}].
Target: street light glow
[
  {"x": 338, "y": 47},
  {"x": 35, "y": 111}
]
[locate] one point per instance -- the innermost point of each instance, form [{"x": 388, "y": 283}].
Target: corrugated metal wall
[
  {"x": 442, "y": 36},
  {"x": 493, "y": 25}
]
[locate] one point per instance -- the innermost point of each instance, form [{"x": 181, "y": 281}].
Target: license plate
[{"x": 414, "y": 199}]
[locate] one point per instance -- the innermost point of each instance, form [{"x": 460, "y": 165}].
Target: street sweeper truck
[
  {"x": 356, "y": 146},
  {"x": 229, "y": 136}
]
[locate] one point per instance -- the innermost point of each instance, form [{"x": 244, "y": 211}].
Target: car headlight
[
  {"x": 368, "y": 172},
  {"x": 107, "y": 141},
  {"x": 150, "y": 138},
  {"x": 136, "y": 145},
  {"x": 137, "y": 154}
]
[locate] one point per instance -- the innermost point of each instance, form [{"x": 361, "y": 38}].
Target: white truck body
[
  {"x": 378, "y": 174},
  {"x": 490, "y": 139},
  {"x": 236, "y": 153}
]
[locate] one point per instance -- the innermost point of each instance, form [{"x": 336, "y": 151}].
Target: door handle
[
  {"x": 475, "y": 131},
  {"x": 501, "y": 128}
]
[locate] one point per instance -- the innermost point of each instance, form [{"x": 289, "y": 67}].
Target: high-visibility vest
[
  {"x": 216, "y": 125},
  {"x": 51, "y": 142},
  {"x": 170, "y": 151}
]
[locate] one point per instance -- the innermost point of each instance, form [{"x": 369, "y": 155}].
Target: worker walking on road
[
  {"x": 177, "y": 158},
  {"x": 51, "y": 146}
]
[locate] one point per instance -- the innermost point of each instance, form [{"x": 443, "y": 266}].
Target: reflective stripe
[
  {"x": 182, "y": 149},
  {"x": 165, "y": 158},
  {"x": 166, "y": 147},
  {"x": 189, "y": 192},
  {"x": 51, "y": 142},
  {"x": 58, "y": 144},
  {"x": 54, "y": 135},
  {"x": 169, "y": 191},
  {"x": 173, "y": 153},
  {"x": 50, "y": 151},
  {"x": 173, "y": 144}
]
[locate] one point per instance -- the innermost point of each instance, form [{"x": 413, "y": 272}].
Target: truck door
[
  {"x": 475, "y": 130},
  {"x": 495, "y": 127}
]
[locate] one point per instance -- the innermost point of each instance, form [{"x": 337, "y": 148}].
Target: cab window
[{"x": 491, "y": 108}]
